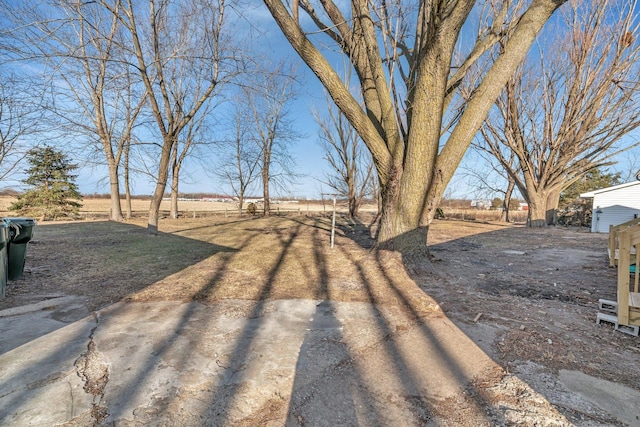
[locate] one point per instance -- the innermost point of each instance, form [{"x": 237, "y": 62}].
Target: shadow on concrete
[
  {"x": 399, "y": 360},
  {"x": 316, "y": 381}
]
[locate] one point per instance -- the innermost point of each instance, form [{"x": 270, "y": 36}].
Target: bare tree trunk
[
  {"x": 127, "y": 186},
  {"x": 399, "y": 231},
  {"x": 161, "y": 185},
  {"x": 265, "y": 190},
  {"x": 537, "y": 211},
  {"x": 174, "y": 197},
  {"x": 553, "y": 199},
  {"x": 240, "y": 201},
  {"x": 543, "y": 206},
  {"x": 353, "y": 207},
  {"x": 175, "y": 175},
  {"x": 127, "y": 197},
  {"x": 116, "y": 208},
  {"x": 507, "y": 200}
]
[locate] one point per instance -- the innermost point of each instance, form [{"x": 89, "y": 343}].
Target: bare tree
[
  {"x": 189, "y": 140},
  {"x": 272, "y": 130},
  {"x": 403, "y": 57},
  {"x": 629, "y": 164},
  {"x": 183, "y": 54},
  {"x": 566, "y": 114},
  {"x": 239, "y": 156},
  {"x": 351, "y": 169},
  {"x": 19, "y": 119},
  {"x": 77, "y": 43},
  {"x": 126, "y": 180},
  {"x": 487, "y": 175}
]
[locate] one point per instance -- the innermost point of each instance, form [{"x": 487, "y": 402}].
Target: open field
[
  {"x": 98, "y": 208},
  {"x": 526, "y": 297}
]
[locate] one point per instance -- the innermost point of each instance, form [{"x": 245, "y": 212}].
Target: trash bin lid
[
  {"x": 15, "y": 227},
  {"x": 28, "y": 221},
  {"x": 4, "y": 233}
]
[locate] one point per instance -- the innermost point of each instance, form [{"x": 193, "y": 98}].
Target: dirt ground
[
  {"x": 527, "y": 297},
  {"x": 538, "y": 291}
]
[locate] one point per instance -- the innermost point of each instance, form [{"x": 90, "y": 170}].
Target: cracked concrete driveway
[{"x": 273, "y": 363}]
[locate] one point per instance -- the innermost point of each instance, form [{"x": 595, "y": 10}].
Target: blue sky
[
  {"x": 267, "y": 39},
  {"x": 307, "y": 152}
]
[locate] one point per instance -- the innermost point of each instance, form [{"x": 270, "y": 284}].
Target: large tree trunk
[
  {"x": 116, "y": 208},
  {"x": 398, "y": 230},
  {"x": 543, "y": 207},
  {"x": 537, "y": 210},
  {"x": 553, "y": 200},
  {"x": 161, "y": 185}
]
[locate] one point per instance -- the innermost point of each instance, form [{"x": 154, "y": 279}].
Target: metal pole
[{"x": 333, "y": 222}]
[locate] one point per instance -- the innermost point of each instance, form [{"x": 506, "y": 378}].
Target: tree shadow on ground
[
  {"x": 313, "y": 336},
  {"x": 528, "y": 297},
  {"x": 333, "y": 376},
  {"x": 98, "y": 262}
]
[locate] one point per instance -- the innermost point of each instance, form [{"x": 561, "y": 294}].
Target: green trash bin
[
  {"x": 20, "y": 233},
  {"x": 4, "y": 242}
]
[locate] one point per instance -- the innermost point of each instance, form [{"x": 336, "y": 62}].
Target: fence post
[{"x": 333, "y": 222}]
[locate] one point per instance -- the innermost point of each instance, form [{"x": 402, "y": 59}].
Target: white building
[
  {"x": 481, "y": 204},
  {"x": 614, "y": 205}
]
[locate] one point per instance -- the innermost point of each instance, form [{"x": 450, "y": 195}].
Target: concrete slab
[
  {"x": 608, "y": 396},
  {"x": 293, "y": 362},
  {"x": 20, "y": 325}
]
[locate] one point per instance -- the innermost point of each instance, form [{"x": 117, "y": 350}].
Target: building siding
[{"x": 614, "y": 206}]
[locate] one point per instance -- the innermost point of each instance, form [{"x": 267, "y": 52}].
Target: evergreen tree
[
  {"x": 595, "y": 179},
  {"x": 54, "y": 193},
  {"x": 576, "y": 211}
]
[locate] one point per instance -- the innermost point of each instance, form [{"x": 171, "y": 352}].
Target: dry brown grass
[
  {"x": 98, "y": 209},
  {"x": 94, "y": 208},
  {"x": 473, "y": 214},
  {"x": 216, "y": 257},
  {"x": 209, "y": 259}
]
